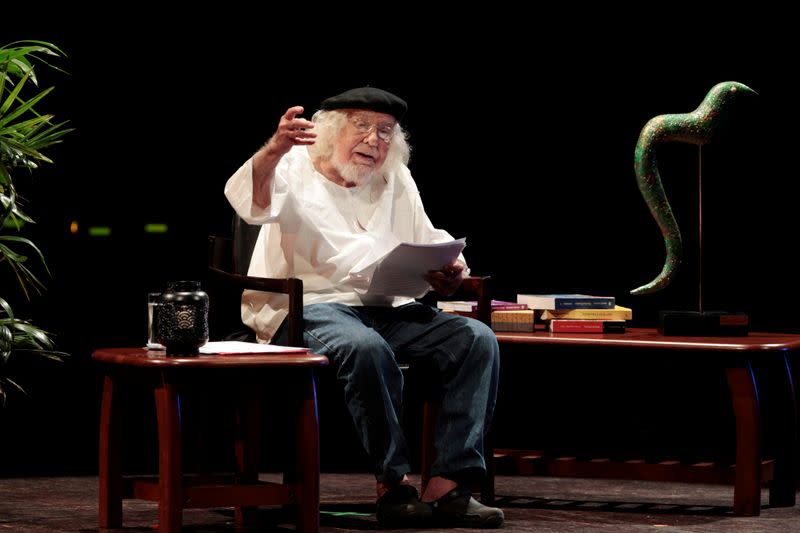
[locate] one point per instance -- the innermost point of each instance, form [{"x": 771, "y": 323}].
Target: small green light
[
  {"x": 155, "y": 228},
  {"x": 99, "y": 231}
]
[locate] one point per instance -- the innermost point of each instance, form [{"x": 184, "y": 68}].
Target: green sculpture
[{"x": 697, "y": 127}]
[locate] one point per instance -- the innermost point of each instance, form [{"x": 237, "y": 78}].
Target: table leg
[
  {"x": 307, "y": 455},
  {"x": 110, "y": 475},
  {"x": 170, "y": 503},
  {"x": 747, "y": 488},
  {"x": 248, "y": 419},
  {"x": 779, "y": 414}
]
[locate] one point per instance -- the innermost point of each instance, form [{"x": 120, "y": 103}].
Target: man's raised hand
[{"x": 292, "y": 131}]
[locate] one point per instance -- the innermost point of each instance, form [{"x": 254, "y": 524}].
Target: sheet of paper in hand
[{"x": 402, "y": 271}]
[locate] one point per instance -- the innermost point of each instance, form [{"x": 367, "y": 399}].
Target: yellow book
[{"x": 618, "y": 313}]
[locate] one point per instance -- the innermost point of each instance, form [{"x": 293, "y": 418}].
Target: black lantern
[{"x": 182, "y": 325}]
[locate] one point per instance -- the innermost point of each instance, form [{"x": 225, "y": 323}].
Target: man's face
[{"x": 363, "y": 143}]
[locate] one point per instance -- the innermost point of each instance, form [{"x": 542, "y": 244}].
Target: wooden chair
[{"x": 228, "y": 263}]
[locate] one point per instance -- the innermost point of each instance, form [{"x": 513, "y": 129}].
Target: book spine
[
  {"x": 470, "y": 314},
  {"x": 589, "y": 314},
  {"x": 584, "y": 303},
  {"x": 515, "y": 327},
  {"x": 506, "y": 307},
  {"x": 446, "y": 305},
  {"x": 566, "y": 301},
  {"x": 456, "y": 306},
  {"x": 586, "y": 326}
]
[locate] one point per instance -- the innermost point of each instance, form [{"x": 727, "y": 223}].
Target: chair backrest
[
  {"x": 244, "y": 240},
  {"x": 225, "y": 299},
  {"x": 227, "y": 286}
]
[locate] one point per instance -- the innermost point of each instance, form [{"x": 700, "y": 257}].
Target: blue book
[{"x": 566, "y": 301}]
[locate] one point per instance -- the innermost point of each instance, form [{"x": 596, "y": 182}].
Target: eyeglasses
[{"x": 364, "y": 127}]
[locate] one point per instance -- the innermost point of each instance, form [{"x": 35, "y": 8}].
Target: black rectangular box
[{"x": 707, "y": 323}]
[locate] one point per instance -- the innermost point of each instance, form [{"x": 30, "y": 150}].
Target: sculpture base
[{"x": 705, "y": 324}]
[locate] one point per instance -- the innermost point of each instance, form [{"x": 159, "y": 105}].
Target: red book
[{"x": 586, "y": 326}]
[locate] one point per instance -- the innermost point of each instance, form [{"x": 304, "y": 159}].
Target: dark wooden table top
[
  {"x": 142, "y": 357},
  {"x": 650, "y": 338}
]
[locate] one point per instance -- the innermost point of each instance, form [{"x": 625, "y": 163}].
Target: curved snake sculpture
[{"x": 697, "y": 127}]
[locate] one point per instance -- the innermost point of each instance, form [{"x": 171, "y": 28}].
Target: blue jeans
[{"x": 364, "y": 345}]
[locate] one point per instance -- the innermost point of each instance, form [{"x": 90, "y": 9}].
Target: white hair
[{"x": 328, "y": 124}]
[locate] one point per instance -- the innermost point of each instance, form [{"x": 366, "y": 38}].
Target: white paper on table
[
  {"x": 239, "y": 347},
  {"x": 402, "y": 271}
]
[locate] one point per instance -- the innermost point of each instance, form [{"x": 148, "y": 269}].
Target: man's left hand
[{"x": 448, "y": 279}]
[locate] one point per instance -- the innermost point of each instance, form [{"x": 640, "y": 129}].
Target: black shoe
[
  {"x": 458, "y": 508},
  {"x": 400, "y": 507}
]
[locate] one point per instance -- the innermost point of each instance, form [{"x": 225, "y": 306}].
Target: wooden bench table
[{"x": 736, "y": 356}]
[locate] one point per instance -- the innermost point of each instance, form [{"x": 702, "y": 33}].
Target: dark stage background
[{"x": 522, "y": 143}]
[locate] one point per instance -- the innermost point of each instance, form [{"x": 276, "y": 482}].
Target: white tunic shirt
[{"x": 320, "y": 232}]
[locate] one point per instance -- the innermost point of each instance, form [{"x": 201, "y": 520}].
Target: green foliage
[{"x": 24, "y": 133}]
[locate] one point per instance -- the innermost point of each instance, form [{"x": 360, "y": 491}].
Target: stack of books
[
  {"x": 506, "y": 316},
  {"x": 511, "y": 320},
  {"x": 578, "y": 313}
]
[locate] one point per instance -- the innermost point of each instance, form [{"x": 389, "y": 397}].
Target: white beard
[{"x": 356, "y": 174}]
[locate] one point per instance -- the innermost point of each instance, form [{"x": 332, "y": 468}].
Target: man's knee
[
  {"x": 364, "y": 350},
  {"x": 484, "y": 343}
]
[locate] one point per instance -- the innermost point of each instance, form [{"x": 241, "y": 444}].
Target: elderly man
[{"x": 334, "y": 194}]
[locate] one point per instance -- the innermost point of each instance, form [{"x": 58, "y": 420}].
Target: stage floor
[{"x": 540, "y": 504}]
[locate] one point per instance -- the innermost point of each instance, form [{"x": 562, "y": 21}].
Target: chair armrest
[
  {"x": 292, "y": 287},
  {"x": 278, "y": 285}
]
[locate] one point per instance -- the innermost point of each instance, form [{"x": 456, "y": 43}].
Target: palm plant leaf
[
  {"x": 25, "y": 128},
  {"x": 6, "y": 308},
  {"x": 3, "y": 75},
  {"x": 7, "y": 381},
  {"x": 26, "y": 106},
  {"x": 15, "y": 214},
  {"x": 9, "y": 209},
  {"x": 23, "y": 149},
  {"x": 21, "y": 141},
  {"x": 24, "y": 133},
  {"x": 9, "y": 254},
  {"x": 28, "y": 242},
  {"x": 50, "y": 135},
  {"x": 26, "y": 279},
  {"x": 6, "y": 343},
  {"x": 7, "y": 205},
  {"x": 15, "y": 261},
  {"x": 20, "y": 54},
  {"x": 33, "y": 336},
  {"x": 12, "y": 96}
]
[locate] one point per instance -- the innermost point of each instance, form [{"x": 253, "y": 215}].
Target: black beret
[{"x": 370, "y": 98}]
